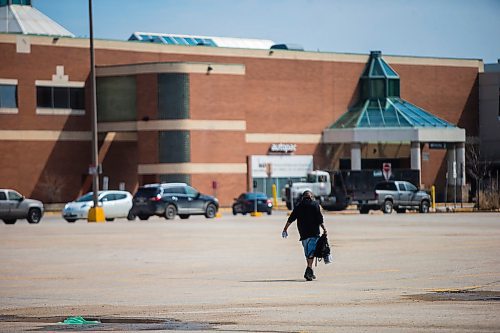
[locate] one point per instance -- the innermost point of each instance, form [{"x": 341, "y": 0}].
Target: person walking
[{"x": 309, "y": 220}]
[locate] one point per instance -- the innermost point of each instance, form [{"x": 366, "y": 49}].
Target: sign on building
[{"x": 281, "y": 166}]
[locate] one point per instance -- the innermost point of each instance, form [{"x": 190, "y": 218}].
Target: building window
[
  {"x": 174, "y": 147},
  {"x": 60, "y": 98},
  {"x": 8, "y": 96},
  {"x": 393, "y": 88},
  {"x": 377, "y": 88},
  {"x": 173, "y": 96},
  {"x": 116, "y": 98}
]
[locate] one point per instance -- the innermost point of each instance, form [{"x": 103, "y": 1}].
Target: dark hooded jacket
[{"x": 309, "y": 218}]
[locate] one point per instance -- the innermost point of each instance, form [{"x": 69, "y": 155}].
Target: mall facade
[{"x": 224, "y": 118}]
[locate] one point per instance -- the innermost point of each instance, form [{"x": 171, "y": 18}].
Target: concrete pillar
[
  {"x": 416, "y": 159},
  {"x": 355, "y": 156},
  {"x": 416, "y": 162},
  {"x": 460, "y": 154},
  {"x": 457, "y": 188},
  {"x": 451, "y": 157}
]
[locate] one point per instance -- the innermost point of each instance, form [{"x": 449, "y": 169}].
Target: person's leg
[
  {"x": 310, "y": 262},
  {"x": 309, "y": 247}
]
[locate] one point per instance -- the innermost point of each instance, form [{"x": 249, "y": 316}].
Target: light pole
[{"x": 96, "y": 213}]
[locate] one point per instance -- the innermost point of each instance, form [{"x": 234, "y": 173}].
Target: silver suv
[
  {"x": 15, "y": 206},
  {"x": 397, "y": 195}
]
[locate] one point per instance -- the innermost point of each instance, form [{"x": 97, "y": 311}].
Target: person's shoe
[
  {"x": 313, "y": 276},
  {"x": 308, "y": 275}
]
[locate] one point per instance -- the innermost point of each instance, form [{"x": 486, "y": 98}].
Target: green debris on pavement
[{"x": 79, "y": 321}]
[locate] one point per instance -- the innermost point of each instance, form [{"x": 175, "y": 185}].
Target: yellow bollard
[
  {"x": 96, "y": 215},
  {"x": 433, "y": 196},
  {"x": 275, "y": 196}
]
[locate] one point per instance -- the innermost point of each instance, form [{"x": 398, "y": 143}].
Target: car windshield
[
  {"x": 311, "y": 178},
  {"x": 86, "y": 197},
  {"x": 147, "y": 192},
  {"x": 253, "y": 196},
  {"x": 410, "y": 187}
]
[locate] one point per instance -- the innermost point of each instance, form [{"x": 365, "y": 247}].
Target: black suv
[{"x": 171, "y": 199}]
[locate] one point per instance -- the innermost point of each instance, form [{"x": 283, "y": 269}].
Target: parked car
[
  {"x": 171, "y": 199},
  {"x": 115, "y": 204},
  {"x": 14, "y": 206},
  {"x": 245, "y": 203},
  {"x": 398, "y": 195}
]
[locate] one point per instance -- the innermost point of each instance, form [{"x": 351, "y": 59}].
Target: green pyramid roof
[{"x": 381, "y": 106}]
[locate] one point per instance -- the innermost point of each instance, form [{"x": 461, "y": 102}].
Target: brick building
[{"x": 218, "y": 118}]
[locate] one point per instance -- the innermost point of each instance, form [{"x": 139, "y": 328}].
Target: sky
[{"x": 428, "y": 28}]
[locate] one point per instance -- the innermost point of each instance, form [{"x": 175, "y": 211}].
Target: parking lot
[{"x": 391, "y": 273}]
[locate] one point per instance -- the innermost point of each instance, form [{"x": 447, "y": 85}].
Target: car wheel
[
  {"x": 143, "y": 217},
  {"x": 110, "y": 219},
  {"x": 364, "y": 210},
  {"x": 184, "y": 216},
  {"x": 234, "y": 211},
  {"x": 34, "y": 215},
  {"x": 170, "y": 212},
  {"x": 9, "y": 221},
  {"x": 70, "y": 220},
  {"x": 210, "y": 211},
  {"x": 130, "y": 216},
  {"x": 387, "y": 209},
  {"x": 424, "y": 207}
]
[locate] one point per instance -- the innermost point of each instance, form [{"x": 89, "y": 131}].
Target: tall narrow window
[
  {"x": 174, "y": 146},
  {"x": 393, "y": 88},
  {"x": 173, "y": 96},
  {"x": 44, "y": 97}
]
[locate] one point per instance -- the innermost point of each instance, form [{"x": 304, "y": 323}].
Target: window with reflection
[
  {"x": 8, "y": 96},
  {"x": 60, "y": 97}
]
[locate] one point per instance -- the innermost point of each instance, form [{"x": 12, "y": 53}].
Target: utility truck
[{"x": 328, "y": 188}]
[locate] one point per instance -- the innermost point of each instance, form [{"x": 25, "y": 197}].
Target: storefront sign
[
  {"x": 437, "y": 145},
  {"x": 285, "y": 148},
  {"x": 281, "y": 166}
]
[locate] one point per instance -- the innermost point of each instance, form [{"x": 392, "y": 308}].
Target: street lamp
[{"x": 96, "y": 213}]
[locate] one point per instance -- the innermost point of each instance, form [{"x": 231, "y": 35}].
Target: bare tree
[
  {"x": 476, "y": 164},
  {"x": 51, "y": 187}
]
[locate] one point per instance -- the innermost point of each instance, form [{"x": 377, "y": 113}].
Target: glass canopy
[
  {"x": 381, "y": 105},
  {"x": 15, "y": 2}
]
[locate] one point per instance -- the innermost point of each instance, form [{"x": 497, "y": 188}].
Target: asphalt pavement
[{"x": 391, "y": 273}]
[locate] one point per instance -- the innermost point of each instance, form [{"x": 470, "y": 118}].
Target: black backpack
[{"x": 322, "y": 247}]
